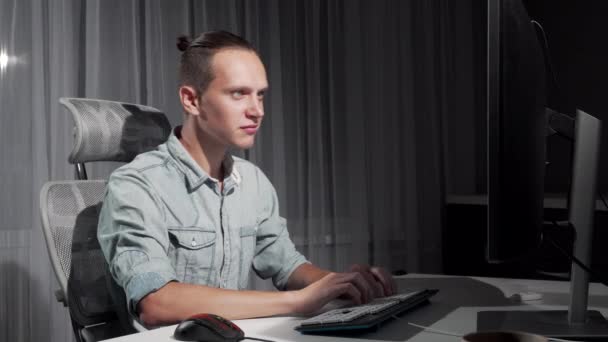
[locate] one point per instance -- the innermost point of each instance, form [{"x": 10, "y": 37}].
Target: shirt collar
[{"x": 195, "y": 175}]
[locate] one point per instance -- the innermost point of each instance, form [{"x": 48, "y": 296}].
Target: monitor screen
[{"x": 516, "y": 132}]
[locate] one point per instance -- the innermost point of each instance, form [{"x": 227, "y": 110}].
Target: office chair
[{"x": 103, "y": 131}]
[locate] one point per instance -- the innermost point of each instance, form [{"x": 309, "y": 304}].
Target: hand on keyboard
[
  {"x": 379, "y": 282},
  {"x": 313, "y": 297},
  {"x": 361, "y": 286}
]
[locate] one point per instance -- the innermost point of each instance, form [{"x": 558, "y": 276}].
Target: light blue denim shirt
[{"x": 165, "y": 219}]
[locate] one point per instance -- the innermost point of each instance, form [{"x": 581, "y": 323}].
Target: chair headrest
[{"x": 114, "y": 131}]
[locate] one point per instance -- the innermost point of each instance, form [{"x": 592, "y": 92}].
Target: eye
[
  {"x": 261, "y": 95},
  {"x": 237, "y": 94}
]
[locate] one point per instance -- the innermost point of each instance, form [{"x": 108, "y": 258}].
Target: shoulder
[
  {"x": 148, "y": 160},
  {"x": 143, "y": 169}
]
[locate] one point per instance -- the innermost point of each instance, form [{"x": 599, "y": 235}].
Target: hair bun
[{"x": 183, "y": 42}]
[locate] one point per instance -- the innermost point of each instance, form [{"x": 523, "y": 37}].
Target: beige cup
[{"x": 503, "y": 336}]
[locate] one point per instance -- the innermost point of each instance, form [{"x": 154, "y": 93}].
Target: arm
[
  {"x": 305, "y": 275},
  {"x": 309, "y": 289},
  {"x": 177, "y": 301}
]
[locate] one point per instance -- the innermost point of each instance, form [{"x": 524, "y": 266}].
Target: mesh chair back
[
  {"x": 103, "y": 131},
  {"x": 70, "y": 212},
  {"x": 114, "y": 131}
]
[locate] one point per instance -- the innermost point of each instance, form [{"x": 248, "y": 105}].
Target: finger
[
  {"x": 350, "y": 291},
  {"x": 385, "y": 279},
  {"x": 390, "y": 281},
  {"x": 364, "y": 287},
  {"x": 374, "y": 284},
  {"x": 354, "y": 280},
  {"x": 359, "y": 282},
  {"x": 365, "y": 270}
]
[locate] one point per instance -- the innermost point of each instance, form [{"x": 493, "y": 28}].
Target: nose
[{"x": 256, "y": 107}]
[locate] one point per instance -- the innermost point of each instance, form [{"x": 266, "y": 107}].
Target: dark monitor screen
[
  {"x": 516, "y": 132},
  {"x": 516, "y": 136}
]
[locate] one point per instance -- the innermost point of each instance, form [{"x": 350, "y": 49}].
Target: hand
[
  {"x": 379, "y": 282},
  {"x": 314, "y": 296}
]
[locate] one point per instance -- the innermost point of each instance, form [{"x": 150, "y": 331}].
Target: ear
[{"x": 188, "y": 96}]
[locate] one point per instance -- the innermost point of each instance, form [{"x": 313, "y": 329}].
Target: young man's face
[{"x": 232, "y": 108}]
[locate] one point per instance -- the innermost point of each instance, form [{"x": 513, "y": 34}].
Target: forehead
[{"x": 238, "y": 67}]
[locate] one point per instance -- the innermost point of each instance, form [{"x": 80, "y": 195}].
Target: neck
[{"x": 205, "y": 152}]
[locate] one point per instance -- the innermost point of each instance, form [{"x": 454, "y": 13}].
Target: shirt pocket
[
  {"x": 192, "y": 253},
  {"x": 248, "y": 239}
]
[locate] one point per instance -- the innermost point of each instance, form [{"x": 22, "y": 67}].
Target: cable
[
  {"x": 429, "y": 329},
  {"x": 558, "y": 339},
  {"x": 548, "y": 56},
  {"x": 573, "y": 258},
  {"x": 603, "y": 200},
  {"x": 256, "y": 339},
  {"x": 432, "y": 330}
]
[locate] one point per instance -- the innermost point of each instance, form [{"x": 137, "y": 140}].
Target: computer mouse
[
  {"x": 399, "y": 272},
  {"x": 208, "y": 328}
]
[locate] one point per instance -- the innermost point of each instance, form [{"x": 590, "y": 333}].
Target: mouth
[{"x": 251, "y": 129}]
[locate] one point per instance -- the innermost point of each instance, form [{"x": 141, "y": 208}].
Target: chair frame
[{"x": 82, "y": 333}]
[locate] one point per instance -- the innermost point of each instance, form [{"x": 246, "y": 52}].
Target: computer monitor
[
  {"x": 517, "y": 129},
  {"x": 516, "y": 132}
]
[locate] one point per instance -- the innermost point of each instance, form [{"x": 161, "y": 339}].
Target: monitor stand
[{"x": 577, "y": 322}]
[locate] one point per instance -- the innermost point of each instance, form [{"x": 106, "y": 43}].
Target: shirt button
[{"x": 193, "y": 243}]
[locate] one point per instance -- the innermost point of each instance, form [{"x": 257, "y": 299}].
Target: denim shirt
[{"x": 164, "y": 219}]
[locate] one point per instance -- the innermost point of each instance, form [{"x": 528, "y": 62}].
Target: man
[{"x": 181, "y": 226}]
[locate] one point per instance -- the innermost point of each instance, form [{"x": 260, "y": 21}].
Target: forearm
[
  {"x": 305, "y": 275},
  {"x": 177, "y": 301}
]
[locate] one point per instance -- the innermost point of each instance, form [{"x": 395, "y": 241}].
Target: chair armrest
[{"x": 60, "y": 297}]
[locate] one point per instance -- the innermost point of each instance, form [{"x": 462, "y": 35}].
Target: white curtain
[{"x": 353, "y": 138}]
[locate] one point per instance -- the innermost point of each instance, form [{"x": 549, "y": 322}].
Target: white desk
[{"x": 453, "y": 309}]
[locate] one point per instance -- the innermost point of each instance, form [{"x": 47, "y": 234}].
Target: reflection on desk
[{"x": 453, "y": 309}]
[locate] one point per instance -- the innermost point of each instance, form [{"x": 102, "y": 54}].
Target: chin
[{"x": 244, "y": 145}]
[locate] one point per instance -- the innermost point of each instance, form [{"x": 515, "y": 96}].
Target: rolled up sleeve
[
  {"x": 275, "y": 253},
  {"x": 132, "y": 236}
]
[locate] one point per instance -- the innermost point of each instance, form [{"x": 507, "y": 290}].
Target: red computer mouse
[{"x": 208, "y": 328}]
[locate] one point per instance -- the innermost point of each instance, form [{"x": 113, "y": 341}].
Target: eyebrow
[{"x": 246, "y": 89}]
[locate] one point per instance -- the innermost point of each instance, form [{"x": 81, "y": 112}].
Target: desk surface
[{"x": 453, "y": 309}]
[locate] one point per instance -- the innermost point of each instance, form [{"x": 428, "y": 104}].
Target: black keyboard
[{"x": 365, "y": 316}]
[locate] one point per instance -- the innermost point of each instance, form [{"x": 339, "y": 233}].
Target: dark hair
[{"x": 195, "y": 64}]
